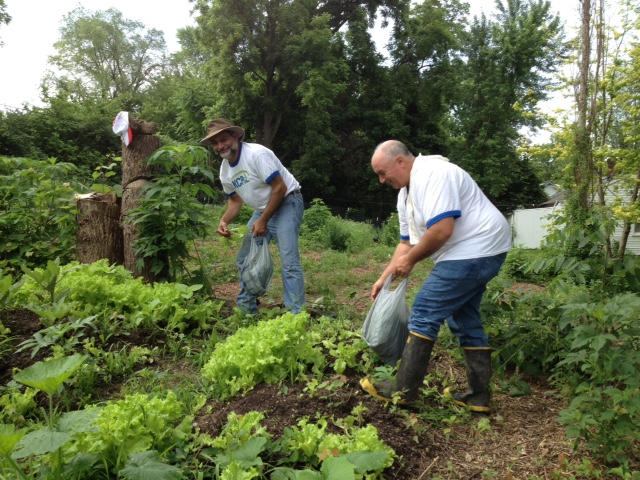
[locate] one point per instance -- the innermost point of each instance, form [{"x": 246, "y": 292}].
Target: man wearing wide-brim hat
[{"x": 251, "y": 173}]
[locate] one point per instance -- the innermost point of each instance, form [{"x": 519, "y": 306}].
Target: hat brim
[{"x": 237, "y": 130}]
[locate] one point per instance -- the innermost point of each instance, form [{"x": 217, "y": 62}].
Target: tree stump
[
  {"x": 136, "y": 174},
  {"x": 134, "y": 158},
  {"x": 99, "y": 234}
]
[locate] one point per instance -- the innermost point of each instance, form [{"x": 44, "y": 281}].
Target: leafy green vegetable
[{"x": 267, "y": 352}]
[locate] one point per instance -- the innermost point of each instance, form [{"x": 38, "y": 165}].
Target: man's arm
[
  {"x": 234, "y": 204},
  {"x": 278, "y": 191},
  {"x": 433, "y": 239}
]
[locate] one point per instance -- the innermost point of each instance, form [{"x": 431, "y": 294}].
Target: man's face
[
  {"x": 387, "y": 171},
  {"x": 225, "y": 144}
]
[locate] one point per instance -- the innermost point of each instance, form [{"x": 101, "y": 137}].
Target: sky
[{"x": 34, "y": 28}]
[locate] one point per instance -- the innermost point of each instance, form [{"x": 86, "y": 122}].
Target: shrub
[
  {"x": 315, "y": 220},
  {"x": 601, "y": 368},
  {"x": 337, "y": 235},
  {"x": 517, "y": 264},
  {"x": 37, "y": 212},
  {"x": 390, "y": 231}
]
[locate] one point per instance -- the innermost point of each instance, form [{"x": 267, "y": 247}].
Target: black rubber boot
[
  {"x": 413, "y": 368},
  {"x": 478, "y": 396}
]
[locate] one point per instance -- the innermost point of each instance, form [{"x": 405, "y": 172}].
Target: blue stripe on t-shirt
[
  {"x": 272, "y": 176},
  {"x": 437, "y": 218},
  {"x": 404, "y": 237}
]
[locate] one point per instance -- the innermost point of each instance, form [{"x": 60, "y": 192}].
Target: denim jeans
[
  {"x": 284, "y": 226},
  {"x": 453, "y": 292}
]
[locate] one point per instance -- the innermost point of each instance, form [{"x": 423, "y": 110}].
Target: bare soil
[{"x": 523, "y": 440}]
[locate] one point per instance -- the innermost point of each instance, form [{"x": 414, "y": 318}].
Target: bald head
[{"x": 391, "y": 149}]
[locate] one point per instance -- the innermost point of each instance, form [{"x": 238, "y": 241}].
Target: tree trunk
[
  {"x": 134, "y": 157},
  {"x": 136, "y": 174},
  {"x": 99, "y": 233}
]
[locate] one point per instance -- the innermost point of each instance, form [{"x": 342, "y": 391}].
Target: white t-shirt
[
  {"x": 439, "y": 189},
  {"x": 252, "y": 173}
]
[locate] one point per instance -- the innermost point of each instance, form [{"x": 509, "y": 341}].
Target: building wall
[
  {"x": 612, "y": 191},
  {"x": 528, "y": 227}
]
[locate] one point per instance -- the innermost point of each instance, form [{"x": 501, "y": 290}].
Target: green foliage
[
  {"x": 601, "y": 372},
  {"x": 315, "y": 220},
  {"x": 244, "y": 215},
  {"x": 270, "y": 352},
  {"x": 135, "y": 424},
  {"x": 517, "y": 264},
  {"x": 77, "y": 133},
  {"x": 341, "y": 340},
  {"x": 149, "y": 466},
  {"x": 169, "y": 215},
  {"x": 103, "y": 55},
  {"x": 337, "y": 235},
  {"x": 4, "y": 15},
  {"x": 64, "y": 335},
  {"x": 7, "y": 290},
  {"x": 587, "y": 338},
  {"x": 110, "y": 291},
  {"x": 576, "y": 253},
  {"x": 390, "y": 231},
  {"x": 524, "y": 329},
  {"x": 49, "y": 376},
  {"x": 37, "y": 212},
  {"x": 16, "y": 404},
  {"x": 310, "y": 442},
  {"x": 319, "y": 226},
  {"x": 102, "y": 174}
]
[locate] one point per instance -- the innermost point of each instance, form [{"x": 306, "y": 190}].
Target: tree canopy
[
  {"x": 101, "y": 54},
  {"x": 306, "y": 79}
]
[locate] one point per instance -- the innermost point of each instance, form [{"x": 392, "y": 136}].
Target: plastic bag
[
  {"x": 386, "y": 326},
  {"x": 257, "y": 269}
]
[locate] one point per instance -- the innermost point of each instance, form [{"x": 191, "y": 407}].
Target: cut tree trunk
[
  {"x": 136, "y": 174},
  {"x": 99, "y": 234},
  {"x": 134, "y": 158}
]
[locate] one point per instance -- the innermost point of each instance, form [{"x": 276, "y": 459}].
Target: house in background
[
  {"x": 550, "y": 188},
  {"x": 529, "y": 226}
]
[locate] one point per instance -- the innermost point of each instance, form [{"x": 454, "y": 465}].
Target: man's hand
[
  {"x": 403, "y": 266},
  {"x": 259, "y": 228},
  {"x": 376, "y": 288},
  {"x": 223, "y": 229}
]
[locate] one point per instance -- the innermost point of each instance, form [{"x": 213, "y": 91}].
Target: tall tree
[
  {"x": 509, "y": 62},
  {"x": 179, "y": 100},
  {"x": 103, "y": 55},
  {"x": 425, "y": 51},
  {"x": 256, "y": 77}
]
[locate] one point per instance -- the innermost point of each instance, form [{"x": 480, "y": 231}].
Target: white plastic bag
[
  {"x": 386, "y": 326},
  {"x": 257, "y": 269}
]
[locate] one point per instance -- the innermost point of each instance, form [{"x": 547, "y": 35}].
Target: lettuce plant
[{"x": 270, "y": 352}]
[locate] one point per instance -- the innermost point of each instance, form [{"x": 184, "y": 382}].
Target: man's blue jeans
[
  {"x": 453, "y": 292},
  {"x": 284, "y": 226}
]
